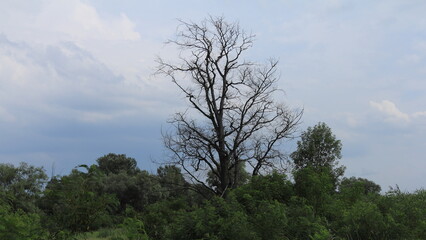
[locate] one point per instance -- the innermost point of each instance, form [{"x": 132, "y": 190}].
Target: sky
[{"x": 77, "y": 78}]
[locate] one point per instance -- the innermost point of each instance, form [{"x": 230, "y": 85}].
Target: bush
[
  {"x": 134, "y": 229},
  {"x": 20, "y": 225}
]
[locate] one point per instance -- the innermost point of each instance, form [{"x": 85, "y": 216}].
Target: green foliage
[
  {"x": 363, "y": 185},
  {"x": 20, "y": 225},
  {"x": 270, "y": 221},
  {"x": 269, "y": 187},
  {"x": 353, "y": 189},
  {"x": 135, "y": 229},
  {"x": 172, "y": 181},
  {"x": 363, "y": 221},
  {"x": 405, "y": 213},
  {"x": 319, "y": 149},
  {"x": 271, "y": 207},
  {"x": 322, "y": 234},
  {"x": 137, "y": 190},
  {"x": 118, "y": 233},
  {"x": 73, "y": 203},
  {"x": 159, "y": 216},
  {"x": 302, "y": 222},
  {"x": 115, "y": 163},
  {"x": 216, "y": 219},
  {"x": 132, "y": 205},
  {"x": 315, "y": 186},
  {"x": 134, "y": 187},
  {"x": 21, "y": 186}
]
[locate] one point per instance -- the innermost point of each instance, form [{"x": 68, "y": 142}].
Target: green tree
[
  {"x": 115, "y": 163},
  {"x": 315, "y": 186},
  {"x": 353, "y": 189},
  {"x": 135, "y": 229},
  {"x": 218, "y": 218},
  {"x": 132, "y": 186},
  {"x": 271, "y": 187},
  {"x": 364, "y": 221},
  {"x": 136, "y": 190},
  {"x": 320, "y": 150},
  {"x": 19, "y": 225},
  {"x": 172, "y": 181},
  {"x": 405, "y": 213},
  {"x": 270, "y": 220},
  {"x": 159, "y": 216},
  {"x": 303, "y": 223},
  {"x": 74, "y": 203},
  {"x": 21, "y": 186}
]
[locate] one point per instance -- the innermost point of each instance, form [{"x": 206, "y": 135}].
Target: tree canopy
[
  {"x": 319, "y": 149},
  {"x": 114, "y": 163}
]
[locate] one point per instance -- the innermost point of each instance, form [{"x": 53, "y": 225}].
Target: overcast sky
[{"x": 76, "y": 77}]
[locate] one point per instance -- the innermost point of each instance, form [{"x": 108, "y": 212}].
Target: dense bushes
[
  {"x": 135, "y": 204},
  {"x": 20, "y": 225}
]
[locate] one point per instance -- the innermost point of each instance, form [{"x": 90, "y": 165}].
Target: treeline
[{"x": 117, "y": 200}]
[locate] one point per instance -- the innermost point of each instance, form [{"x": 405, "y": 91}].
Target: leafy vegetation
[{"x": 123, "y": 202}]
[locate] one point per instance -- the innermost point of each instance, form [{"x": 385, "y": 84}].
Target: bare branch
[{"x": 239, "y": 119}]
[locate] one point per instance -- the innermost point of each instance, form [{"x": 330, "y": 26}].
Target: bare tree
[{"x": 232, "y": 119}]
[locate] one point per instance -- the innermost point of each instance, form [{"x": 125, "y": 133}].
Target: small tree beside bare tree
[{"x": 233, "y": 123}]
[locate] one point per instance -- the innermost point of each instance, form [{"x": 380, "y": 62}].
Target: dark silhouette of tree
[
  {"x": 233, "y": 118},
  {"x": 115, "y": 163}
]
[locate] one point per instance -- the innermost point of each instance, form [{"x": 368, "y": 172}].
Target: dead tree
[{"x": 233, "y": 118}]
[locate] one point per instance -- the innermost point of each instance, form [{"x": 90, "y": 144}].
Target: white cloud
[
  {"x": 390, "y": 109},
  {"x": 79, "y": 21},
  {"x": 394, "y": 114},
  {"x": 64, "y": 81},
  {"x": 111, "y": 37},
  {"x": 419, "y": 114}
]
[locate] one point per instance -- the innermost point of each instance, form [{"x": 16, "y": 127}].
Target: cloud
[
  {"x": 394, "y": 114},
  {"x": 60, "y": 101},
  {"x": 63, "y": 81},
  {"x": 419, "y": 114},
  {"x": 80, "y": 21},
  {"x": 110, "y": 36},
  {"x": 390, "y": 109}
]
